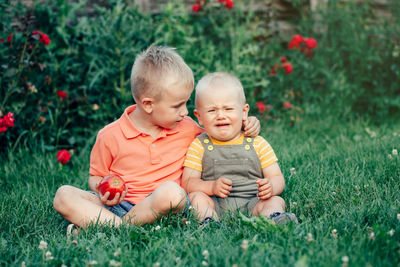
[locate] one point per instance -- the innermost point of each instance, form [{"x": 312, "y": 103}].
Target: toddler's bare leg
[
  {"x": 269, "y": 206},
  {"x": 203, "y": 205},
  {"x": 82, "y": 207},
  {"x": 168, "y": 197}
]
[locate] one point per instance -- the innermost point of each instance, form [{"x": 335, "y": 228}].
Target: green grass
[{"x": 344, "y": 180}]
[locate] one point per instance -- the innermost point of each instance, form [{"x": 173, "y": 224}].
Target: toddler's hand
[
  {"x": 264, "y": 189},
  {"x": 251, "y": 126},
  {"x": 222, "y": 187},
  {"x": 118, "y": 198}
]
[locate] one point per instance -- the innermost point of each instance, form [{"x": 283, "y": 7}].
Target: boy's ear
[
  {"x": 147, "y": 104},
  {"x": 246, "y": 109},
  {"x": 197, "y": 114}
]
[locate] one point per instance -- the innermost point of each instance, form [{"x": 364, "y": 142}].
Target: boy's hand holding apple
[{"x": 112, "y": 190}]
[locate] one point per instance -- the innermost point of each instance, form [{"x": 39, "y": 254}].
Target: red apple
[{"x": 112, "y": 183}]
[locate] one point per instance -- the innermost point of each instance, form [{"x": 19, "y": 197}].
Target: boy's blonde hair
[
  {"x": 217, "y": 77},
  {"x": 153, "y": 66}
]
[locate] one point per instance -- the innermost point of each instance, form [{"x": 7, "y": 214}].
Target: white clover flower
[
  {"x": 92, "y": 263},
  {"x": 43, "y": 245},
  {"x": 245, "y": 244},
  {"x": 177, "y": 259},
  {"x": 294, "y": 203},
  {"x": 345, "y": 259},
  {"x": 191, "y": 207},
  {"x": 206, "y": 254},
  {"x": 187, "y": 222},
  {"x": 157, "y": 228},
  {"x": 63, "y": 265},
  {"x": 156, "y": 264},
  {"x": 391, "y": 232},
  {"x": 333, "y": 193},
  {"x": 390, "y": 156},
  {"x": 74, "y": 242},
  {"x": 293, "y": 171},
  {"x": 395, "y": 153},
  {"x": 115, "y": 263},
  {"x": 23, "y": 264},
  {"x": 371, "y": 236},
  {"x": 48, "y": 255},
  {"x": 334, "y": 233},
  {"x": 310, "y": 238},
  {"x": 117, "y": 253},
  {"x": 398, "y": 216},
  {"x": 204, "y": 263}
]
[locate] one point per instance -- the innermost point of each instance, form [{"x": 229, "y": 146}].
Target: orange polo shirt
[{"x": 143, "y": 162}]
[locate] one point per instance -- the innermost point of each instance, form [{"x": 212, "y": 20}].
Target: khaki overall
[{"x": 239, "y": 163}]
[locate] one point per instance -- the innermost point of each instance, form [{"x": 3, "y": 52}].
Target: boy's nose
[{"x": 220, "y": 114}]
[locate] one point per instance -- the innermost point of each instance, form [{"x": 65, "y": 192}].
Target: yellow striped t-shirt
[{"x": 263, "y": 149}]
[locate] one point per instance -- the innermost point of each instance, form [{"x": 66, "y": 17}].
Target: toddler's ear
[
  {"x": 197, "y": 114},
  {"x": 246, "y": 109}
]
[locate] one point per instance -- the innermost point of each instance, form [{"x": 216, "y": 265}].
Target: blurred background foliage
[{"x": 353, "y": 72}]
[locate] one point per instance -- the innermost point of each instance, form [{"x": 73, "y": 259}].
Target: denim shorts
[
  {"x": 120, "y": 209},
  {"x": 124, "y": 207}
]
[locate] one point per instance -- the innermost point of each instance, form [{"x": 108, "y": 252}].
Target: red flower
[
  {"x": 3, "y": 129},
  {"x": 1, "y": 40},
  {"x": 287, "y": 104},
  {"x": 9, "y": 38},
  {"x": 272, "y": 72},
  {"x": 310, "y": 43},
  {"x": 229, "y": 4},
  {"x": 222, "y": 1},
  {"x": 8, "y": 120},
  {"x": 288, "y": 68},
  {"x": 63, "y": 156},
  {"x": 196, "y": 8},
  {"x": 296, "y": 41},
  {"x": 283, "y": 59},
  {"x": 44, "y": 38},
  {"x": 261, "y": 106},
  {"x": 61, "y": 94}
]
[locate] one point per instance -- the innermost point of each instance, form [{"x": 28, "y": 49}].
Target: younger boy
[
  {"x": 146, "y": 146},
  {"x": 224, "y": 169}
]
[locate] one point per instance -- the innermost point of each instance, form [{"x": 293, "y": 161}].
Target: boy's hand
[
  {"x": 118, "y": 198},
  {"x": 222, "y": 187},
  {"x": 251, "y": 126},
  {"x": 264, "y": 189}
]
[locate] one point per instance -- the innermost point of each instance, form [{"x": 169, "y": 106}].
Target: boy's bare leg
[
  {"x": 269, "y": 206},
  {"x": 82, "y": 207},
  {"x": 203, "y": 204},
  {"x": 168, "y": 197}
]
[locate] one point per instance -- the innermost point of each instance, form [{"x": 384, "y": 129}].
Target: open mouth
[{"x": 222, "y": 124}]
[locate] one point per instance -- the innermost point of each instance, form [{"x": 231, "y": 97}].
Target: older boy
[
  {"x": 146, "y": 147},
  {"x": 224, "y": 169}
]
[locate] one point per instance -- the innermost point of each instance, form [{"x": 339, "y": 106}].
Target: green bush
[{"x": 63, "y": 92}]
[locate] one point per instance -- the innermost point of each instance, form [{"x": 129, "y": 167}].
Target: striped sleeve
[
  {"x": 194, "y": 155},
  {"x": 264, "y": 151}
]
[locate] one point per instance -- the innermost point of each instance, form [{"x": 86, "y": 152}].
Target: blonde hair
[
  {"x": 216, "y": 77},
  {"x": 153, "y": 66}
]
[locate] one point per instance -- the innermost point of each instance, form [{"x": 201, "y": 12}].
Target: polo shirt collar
[{"x": 130, "y": 130}]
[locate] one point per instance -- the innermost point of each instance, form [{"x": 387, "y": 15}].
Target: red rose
[
  {"x": 288, "y": 68},
  {"x": 61, "y": 94},
  {"x": 287, "y": 104},
  {"x": 3, "y": 129},
  {"x": 272, "y": 72},
  {"x": 63, "y": 156},
  {"x": 8, "y": 120},
  {"x": 283, "y": 59},
  {"x": 261, "y": 106},
  {"x": 310, "y": 43},
  {"x": 222, "y": 1},
  {"x": 196, "y": 8},
  {"x": 44, "y": 38},
  {"x": 1, "y": 40},
  {"x": 9, "y": 38},
  {"x": 296, "y": 41},
  {"x": 229, "y": 4}
]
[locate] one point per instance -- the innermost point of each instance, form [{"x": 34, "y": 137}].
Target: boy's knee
[
  {"x": 279, "y": 201},
  {"x": 61, "y": 198},
  {"x": 170, "y": 196}
]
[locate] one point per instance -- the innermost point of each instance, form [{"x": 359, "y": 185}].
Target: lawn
[{"x": 342, "y": 183}]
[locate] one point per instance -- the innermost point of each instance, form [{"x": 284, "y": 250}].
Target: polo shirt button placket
[{"x": 155, "y": 157}]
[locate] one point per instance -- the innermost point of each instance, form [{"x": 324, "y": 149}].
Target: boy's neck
[{"x": 143, "y": 122}]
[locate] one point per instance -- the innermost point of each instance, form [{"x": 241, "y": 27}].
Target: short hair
[
  {"x": 155, "y": 64},
  {"x": 215, "y": 77}
]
